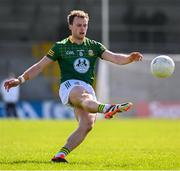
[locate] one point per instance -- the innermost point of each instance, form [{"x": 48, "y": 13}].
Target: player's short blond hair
[{"x": 76, "y": 13}]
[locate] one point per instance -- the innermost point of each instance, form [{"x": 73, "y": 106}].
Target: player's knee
[
  {"x": 86, "y": 96},
  {"x": 88, "y": 126},
  {"x": 87, "y": 102}
]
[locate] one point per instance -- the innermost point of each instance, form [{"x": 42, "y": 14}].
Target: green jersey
[{"x": 76, "y": 61}]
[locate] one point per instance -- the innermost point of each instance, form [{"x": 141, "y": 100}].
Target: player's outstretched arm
[
  {"x": 30, "y": 73},
  {"x": 121, "y": 59}
]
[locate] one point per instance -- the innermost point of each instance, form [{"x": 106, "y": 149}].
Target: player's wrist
[
  {"x": 21, "y": 79},
  {"x": 131, "y": 58}
]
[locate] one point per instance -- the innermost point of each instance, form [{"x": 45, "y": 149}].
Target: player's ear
[{"x": 70, "y": 27}]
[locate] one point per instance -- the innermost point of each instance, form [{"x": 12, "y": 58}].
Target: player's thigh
[{"x": 77, "y": 95}]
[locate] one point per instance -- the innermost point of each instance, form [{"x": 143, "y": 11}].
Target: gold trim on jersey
[
  {"x": 73, "y": 41},
  {"x": 51, "y": 53}
]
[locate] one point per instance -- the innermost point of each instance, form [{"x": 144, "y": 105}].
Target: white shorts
[{"x": 67, "y": 86}]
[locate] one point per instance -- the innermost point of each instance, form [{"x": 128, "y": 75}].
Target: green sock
[{"x": 102, "y": 108}]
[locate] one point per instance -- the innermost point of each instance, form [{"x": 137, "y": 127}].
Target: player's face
[{"x": 79, "y": 28}]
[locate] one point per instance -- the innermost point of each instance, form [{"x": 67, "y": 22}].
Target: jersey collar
[{"x": 72, "y": 41}]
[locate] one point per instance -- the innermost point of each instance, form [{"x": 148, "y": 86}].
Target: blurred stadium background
[{"x": 28, "y": 28}]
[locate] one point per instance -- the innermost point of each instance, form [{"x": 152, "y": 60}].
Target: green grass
[{"x": 112, "y": 145}]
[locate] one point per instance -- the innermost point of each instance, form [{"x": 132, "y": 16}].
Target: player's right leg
[{"x": 81, "y": 98}]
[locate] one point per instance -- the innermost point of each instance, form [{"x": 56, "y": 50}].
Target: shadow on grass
[
  {"x": 81, "y": 163},
  {"x": 41, "y": 162},
  {"x": 26, "y": 162},
  {"x": 45, "y": 162}
]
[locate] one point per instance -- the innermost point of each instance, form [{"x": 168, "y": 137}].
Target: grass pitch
[{"x": 112, "y": 145}]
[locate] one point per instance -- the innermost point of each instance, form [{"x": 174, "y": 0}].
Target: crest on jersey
[
  {"x": 90, "y": 52},
  {"x": 81, "y": 65}
]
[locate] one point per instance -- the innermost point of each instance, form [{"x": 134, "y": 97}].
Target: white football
[{"x": 162, "y": 66}]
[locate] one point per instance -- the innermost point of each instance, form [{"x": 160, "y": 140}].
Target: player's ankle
[
  {"x": 102, "y": 108},
  {"x": 63, "y": 152}
]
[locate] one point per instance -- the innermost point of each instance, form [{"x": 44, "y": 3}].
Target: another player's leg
[{"x": 86, "y": 122}]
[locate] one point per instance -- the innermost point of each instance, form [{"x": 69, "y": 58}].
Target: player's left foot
[
  {"x": 113, "y": 109},
  {"x": 59, "y": 159}
]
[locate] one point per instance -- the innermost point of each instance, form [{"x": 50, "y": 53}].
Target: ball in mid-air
[{"x": 162, "y": 66}]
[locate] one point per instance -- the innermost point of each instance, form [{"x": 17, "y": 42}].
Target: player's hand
[
  {"x": 11, "y": 83},
  {"x": 135, "y": 56}
]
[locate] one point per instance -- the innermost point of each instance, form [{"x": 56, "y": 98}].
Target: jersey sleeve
[
  {"x": 53, "y": 52},
  {"x": 100, "y": 48}
]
